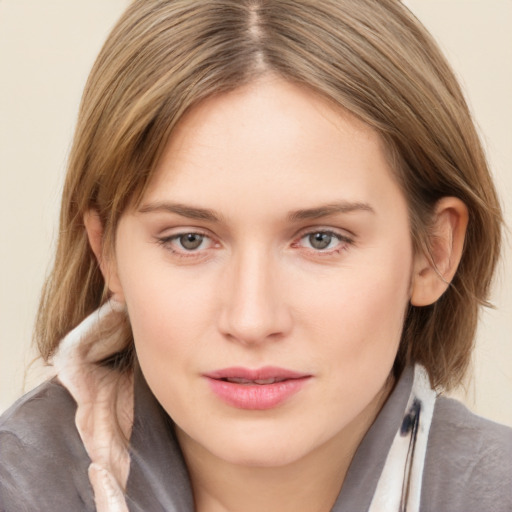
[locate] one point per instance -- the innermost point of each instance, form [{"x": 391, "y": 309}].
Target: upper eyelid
[
  {"x": 342, "y": 239},
  {"x": 342, "y": 233},
  {"x": 173, "y": 236},
  {"x": 166, "y": 235}
]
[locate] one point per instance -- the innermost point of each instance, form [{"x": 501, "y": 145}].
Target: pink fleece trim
[{"x": 104, "y": 397}]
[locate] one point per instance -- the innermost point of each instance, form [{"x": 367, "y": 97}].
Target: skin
[{"x": 273, "y": 162}]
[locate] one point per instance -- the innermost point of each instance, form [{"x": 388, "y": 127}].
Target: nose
[{"x": 254, "y": 310}]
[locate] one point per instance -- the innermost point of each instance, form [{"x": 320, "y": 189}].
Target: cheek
[
  {"x": 169, "y": 329},
  {"x": 166, "y": 319},
  {"x": 169, "y": 310},
  {"x": 360, "y": 310},
  {"x": 381, "y": 302}
]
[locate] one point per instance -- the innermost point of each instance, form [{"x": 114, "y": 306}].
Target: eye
[
  {"x": 321, "y": 241},
  {"x": 324, "y": 241},
  {"x": 190, "y": 241},
  {"x": 186, "y": 243}
]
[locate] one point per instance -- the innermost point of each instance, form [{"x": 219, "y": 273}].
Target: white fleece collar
[{"x": 104, "y": 397}]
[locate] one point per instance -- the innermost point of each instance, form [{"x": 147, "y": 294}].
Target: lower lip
[{"x": 257, "y": 397}]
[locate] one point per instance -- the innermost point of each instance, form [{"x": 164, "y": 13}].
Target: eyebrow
[
  {"x": 191, "y": 212},
  {"x": 196, "y": 213},
  {"x": 329, "y": 209}
]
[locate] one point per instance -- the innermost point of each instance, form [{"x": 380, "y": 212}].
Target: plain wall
[{"x": 46, "y": 51}]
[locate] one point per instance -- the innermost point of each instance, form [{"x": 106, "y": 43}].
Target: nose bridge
[{"x": 254, "y": 309}]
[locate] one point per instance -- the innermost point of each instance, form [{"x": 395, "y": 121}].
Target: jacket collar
[{"x": 158, "y": 479}]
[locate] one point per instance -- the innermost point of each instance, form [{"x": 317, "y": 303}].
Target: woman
[{"x": 270, "y": 256}]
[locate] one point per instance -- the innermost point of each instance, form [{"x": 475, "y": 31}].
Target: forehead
[{"x": 276, "y": 143}]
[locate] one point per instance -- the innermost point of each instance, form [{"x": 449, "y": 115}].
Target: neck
[
  {"x": 303, "y": 485},
  {"x": 310, "y": 484}
]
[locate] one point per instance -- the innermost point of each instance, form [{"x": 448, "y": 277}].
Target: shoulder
[
  {"x": 469, "y": 462},
  {"x": 43, "y": 464}
]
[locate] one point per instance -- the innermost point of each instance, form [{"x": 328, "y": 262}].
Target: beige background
[{"x": 46, "y": 51}]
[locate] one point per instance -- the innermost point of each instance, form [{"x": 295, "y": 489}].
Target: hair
[{"x": 370, "y": 57}]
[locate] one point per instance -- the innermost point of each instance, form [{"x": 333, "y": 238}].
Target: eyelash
[
  {"x": 167, "y": 241},
  {"x": 344, "y": 243}
]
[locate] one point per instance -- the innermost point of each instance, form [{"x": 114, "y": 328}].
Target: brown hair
[{"x": 371, "y": 57}]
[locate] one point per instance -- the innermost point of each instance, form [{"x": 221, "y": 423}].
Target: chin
[
  {"x": 261, "y": 458},
  {"x": 264, "y": 448}
]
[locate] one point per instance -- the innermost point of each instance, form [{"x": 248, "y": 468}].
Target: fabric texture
[
  {"x": 104, "y": 398},
  {"x": 62, "y": 447},
  {"x": 399, "y": 485}
]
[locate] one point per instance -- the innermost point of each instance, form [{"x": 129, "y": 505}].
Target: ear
[
  {"x": 434, "y": 271},
  {"x": 106, "y": 259}
]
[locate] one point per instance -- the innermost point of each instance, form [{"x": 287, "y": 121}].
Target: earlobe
[
  {"x": 434, "y": 271},
  {"x": 94, "y": 229}
]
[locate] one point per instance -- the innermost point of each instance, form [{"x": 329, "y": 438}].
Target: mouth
[
  {"x": 259, "y": 389},
  {"x": 261, "y": 382}
]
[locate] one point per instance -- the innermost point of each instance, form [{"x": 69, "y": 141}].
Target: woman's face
[{"x": 266, "y": 274}]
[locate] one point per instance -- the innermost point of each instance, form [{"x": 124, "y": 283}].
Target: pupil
[
  {"x": 191, "y": 241},
  {"x": 320, "y": 240}
]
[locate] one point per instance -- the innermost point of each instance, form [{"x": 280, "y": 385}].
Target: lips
[
  {"x": 239, "y": 380},
  {"x": 260, "y": 389}
]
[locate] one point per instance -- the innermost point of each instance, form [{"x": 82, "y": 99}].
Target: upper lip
[{"x": 264, "y": 373}]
